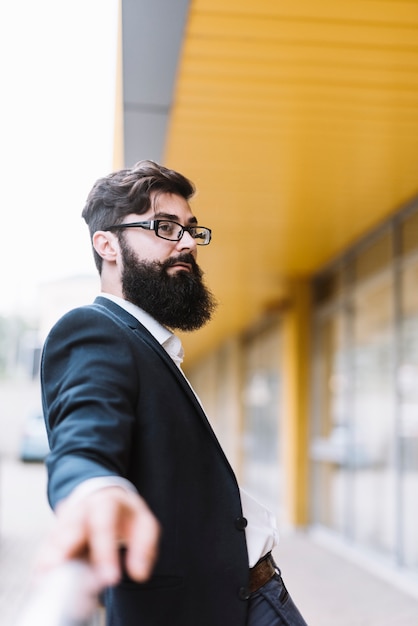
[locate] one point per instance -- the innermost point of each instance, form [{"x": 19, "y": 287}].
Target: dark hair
[{"x": 131, "y": 190}]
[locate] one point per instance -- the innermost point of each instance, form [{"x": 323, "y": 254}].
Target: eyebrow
[{"x": 175, "y": 218}]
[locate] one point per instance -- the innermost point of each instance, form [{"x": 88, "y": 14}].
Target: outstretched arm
[{"x": 90, "y": 384}]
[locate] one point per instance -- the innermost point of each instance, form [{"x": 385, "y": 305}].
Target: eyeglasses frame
[{"x": 154, "y": 224}]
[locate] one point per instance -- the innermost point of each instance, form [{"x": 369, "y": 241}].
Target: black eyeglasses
[{"x": 172, "y": 231}]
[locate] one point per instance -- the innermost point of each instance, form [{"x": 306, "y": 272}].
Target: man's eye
[{"x": 167, "y": 228}]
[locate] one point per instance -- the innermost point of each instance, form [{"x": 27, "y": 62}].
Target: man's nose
[{"x": 187, "y": 242}]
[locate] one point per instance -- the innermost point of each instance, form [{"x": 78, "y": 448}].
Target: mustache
[{"x": 182, "y": 258}]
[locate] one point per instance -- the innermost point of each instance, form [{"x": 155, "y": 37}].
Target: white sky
[{"x": 57, "y": 73}]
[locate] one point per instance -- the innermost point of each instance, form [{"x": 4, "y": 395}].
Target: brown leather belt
[{"x": 261, "y": 573}]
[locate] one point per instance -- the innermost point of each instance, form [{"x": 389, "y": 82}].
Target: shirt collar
[{"x": 170, "y": 342}]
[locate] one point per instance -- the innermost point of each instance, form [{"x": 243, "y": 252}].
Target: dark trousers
[{"x": 272, "y": 606}]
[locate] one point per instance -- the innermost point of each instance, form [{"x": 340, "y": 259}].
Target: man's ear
[{"x": 106, "y": 245}]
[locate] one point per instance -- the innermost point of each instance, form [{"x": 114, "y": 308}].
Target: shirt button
[
  {"x": 241, "y": 523},
  {"x": 243, "y": 593}
]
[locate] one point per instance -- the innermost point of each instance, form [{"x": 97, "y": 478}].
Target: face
[
  {"x": 149, "y": 247},
  {"x": 162, "y": 277}
]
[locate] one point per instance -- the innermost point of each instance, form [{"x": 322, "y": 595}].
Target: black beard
[{"x": 180, "y": 301}]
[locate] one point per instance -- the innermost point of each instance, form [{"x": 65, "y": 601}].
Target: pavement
[{"x": 329, "y": 588}]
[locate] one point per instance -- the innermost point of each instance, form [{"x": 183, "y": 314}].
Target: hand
[{"x": 95, "y": 526}]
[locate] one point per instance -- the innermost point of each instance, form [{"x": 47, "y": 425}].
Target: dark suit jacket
[{"x": 115, "y": 403}]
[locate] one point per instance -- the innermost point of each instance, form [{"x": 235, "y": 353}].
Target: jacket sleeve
[{"x": 89, "y": 384}]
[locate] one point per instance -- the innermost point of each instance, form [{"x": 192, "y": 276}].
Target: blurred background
[{"x": 298, "y": 123}]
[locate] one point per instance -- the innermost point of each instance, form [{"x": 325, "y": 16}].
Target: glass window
[
  {"x": 409, "y": 233},
  {"x": 353, "y": 444},
  {"x": 262, "y": 467},
  {"x": 408, "y": 397},
  {"x": 328, "y": 286},
  {"x": 329, "y": 446},
  {"x": 374, "y": 257},
  {"x": 364, "y": 444},
  {"x": 372, "y": 424}
]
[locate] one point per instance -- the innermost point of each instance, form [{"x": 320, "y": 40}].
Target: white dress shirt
[{"x": 261, "y": 531}]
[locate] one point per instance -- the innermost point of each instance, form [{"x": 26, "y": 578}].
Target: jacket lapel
[{"x": 122, "y": 316}]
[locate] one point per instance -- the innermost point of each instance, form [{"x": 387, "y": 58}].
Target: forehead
[{"x": 170, "y": 206}]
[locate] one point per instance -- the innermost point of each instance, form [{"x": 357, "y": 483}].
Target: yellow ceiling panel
[
  {"x": 298, "y": 122},
  {"x": 394, "y": 11}
]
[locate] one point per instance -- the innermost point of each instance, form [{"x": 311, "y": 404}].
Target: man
[{"x": 138, "y": 480}]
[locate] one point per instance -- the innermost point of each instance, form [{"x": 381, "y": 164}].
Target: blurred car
[{"x": 34, "y": 441}]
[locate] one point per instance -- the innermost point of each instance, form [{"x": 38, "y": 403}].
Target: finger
[
  {"x": 103, "y": 534},
  {"x": 66, "y": 539},
  {"x": 142, "y": 538}
]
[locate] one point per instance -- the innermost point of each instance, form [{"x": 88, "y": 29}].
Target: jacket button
[
  {"x": 241, "y": 523},
  {"x": 243, "y": 593}
]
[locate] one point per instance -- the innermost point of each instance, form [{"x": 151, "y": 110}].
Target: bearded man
[{"x": 139, "y": 483}]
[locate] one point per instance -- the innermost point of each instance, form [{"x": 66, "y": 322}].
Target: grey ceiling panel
[{"x": 152, "y": 35}]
